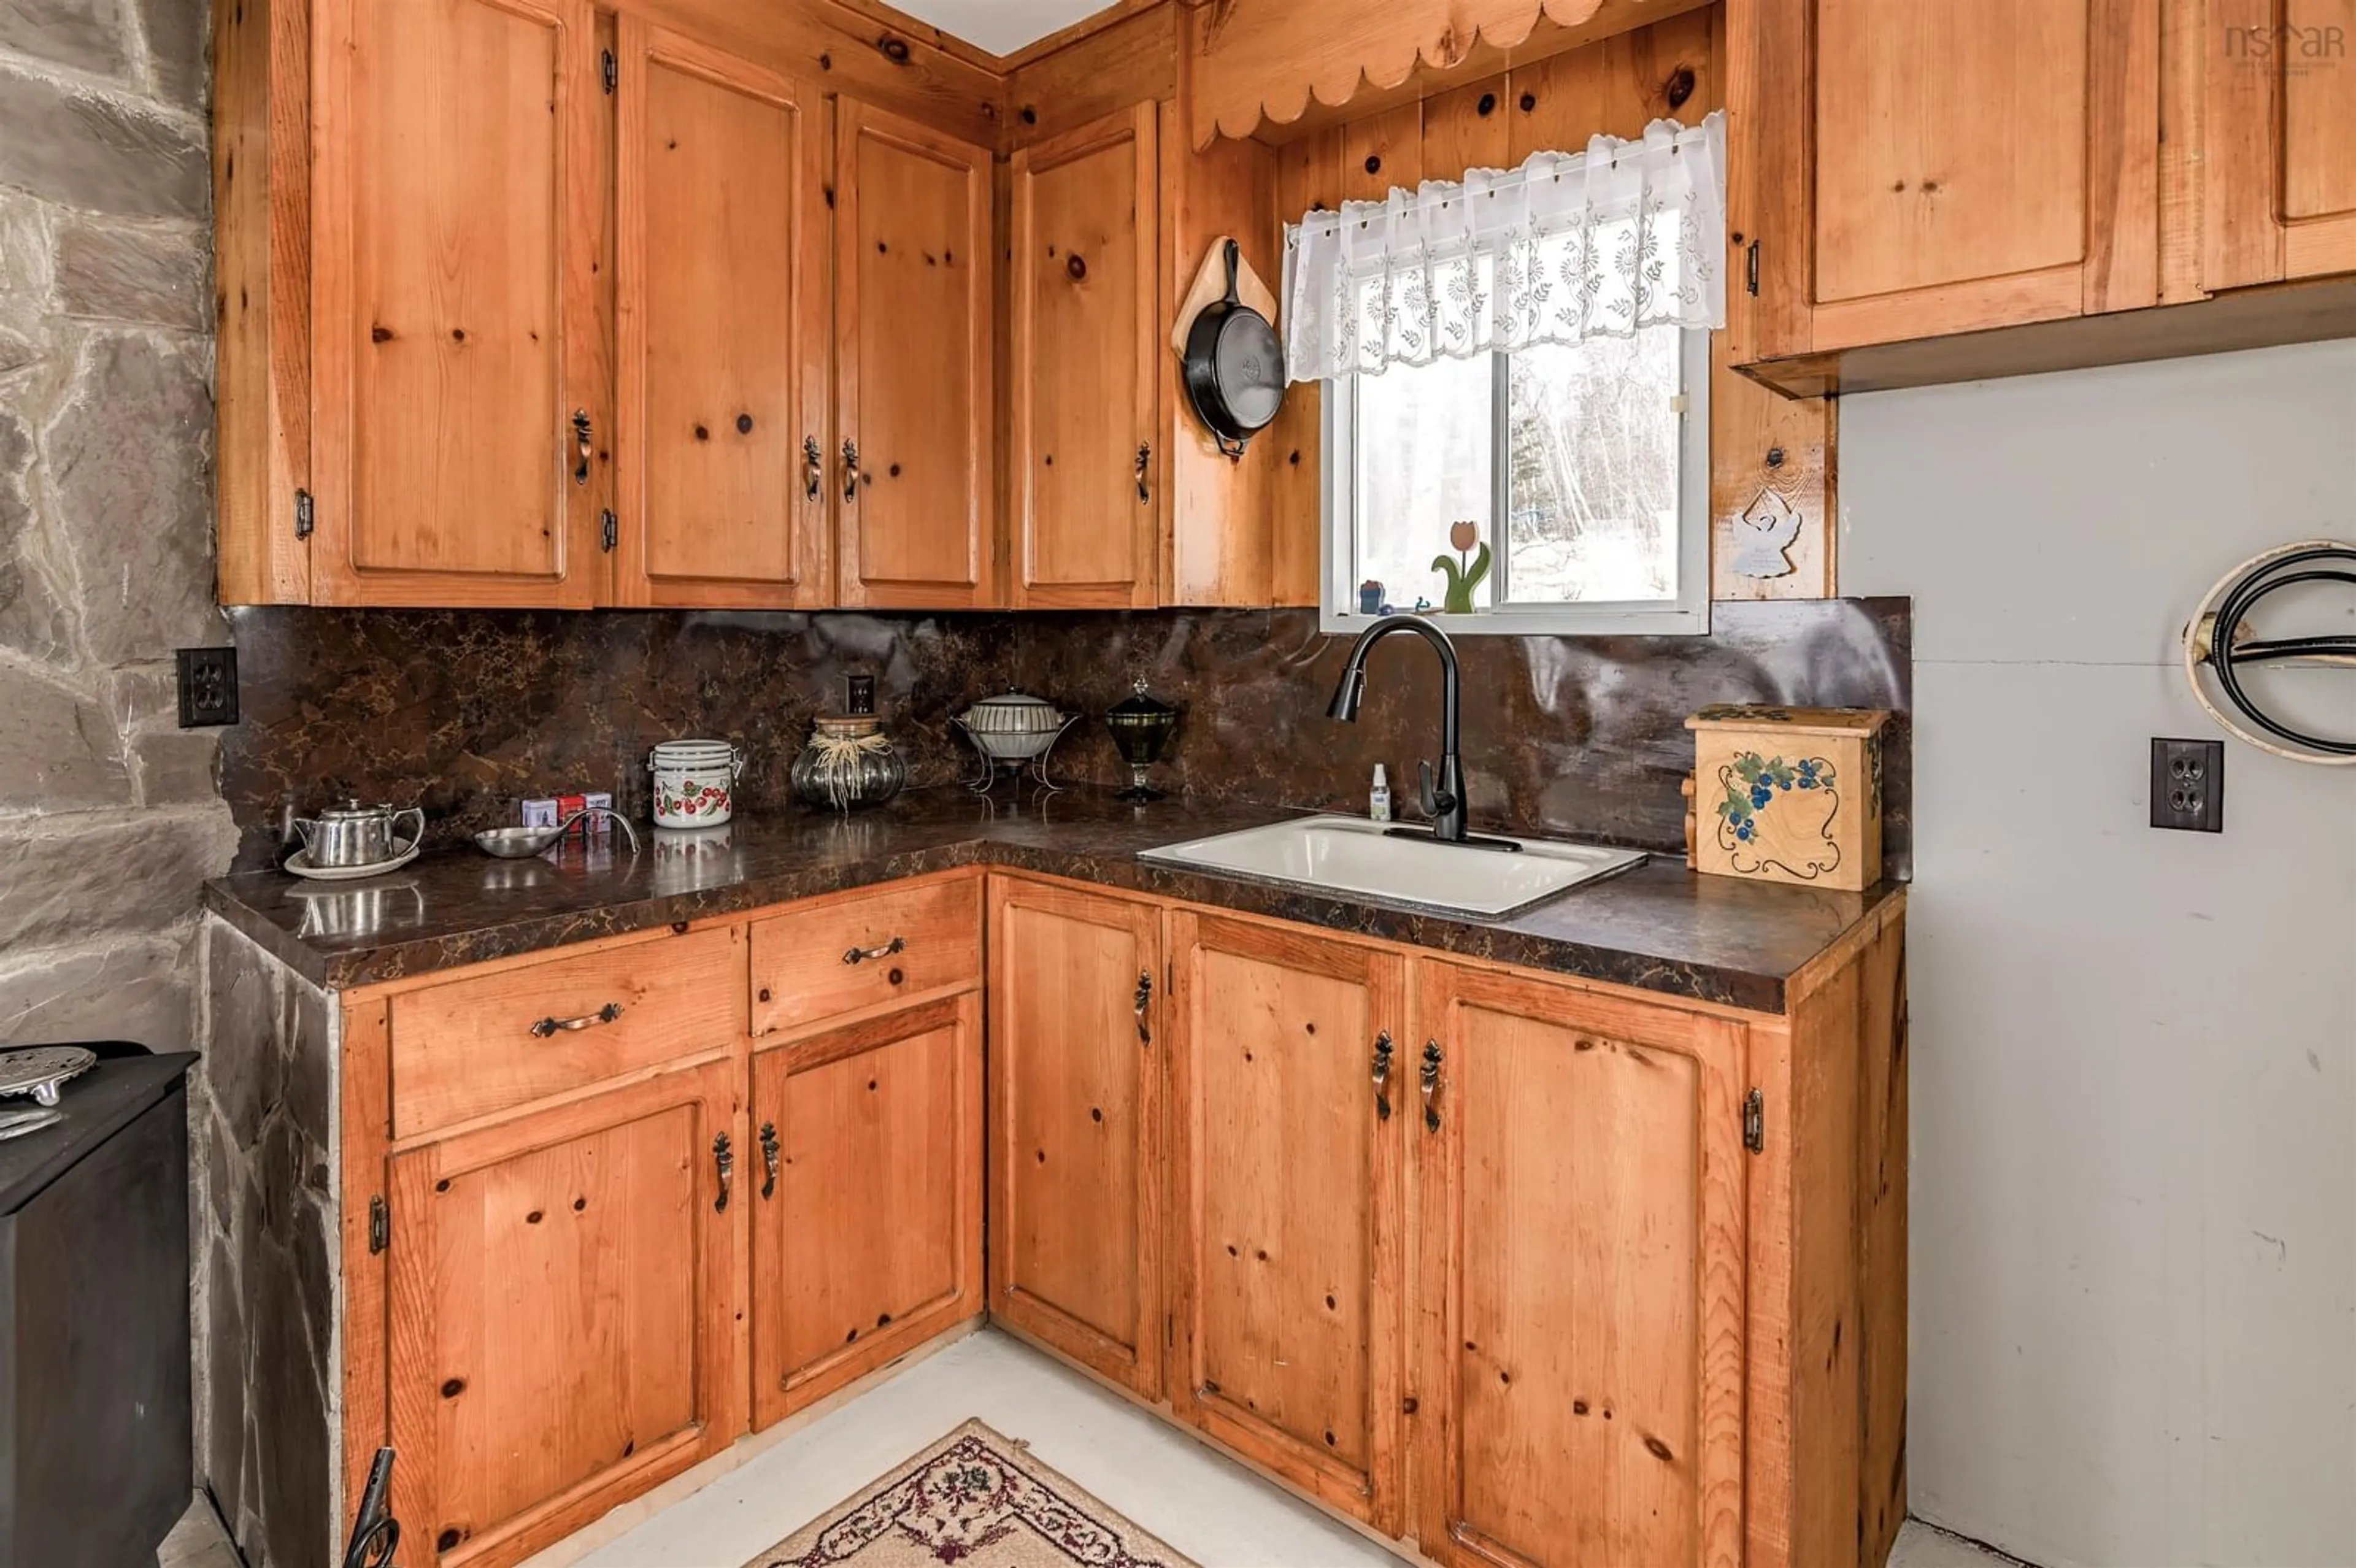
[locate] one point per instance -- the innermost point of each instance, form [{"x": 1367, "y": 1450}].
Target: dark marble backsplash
[{"x": 468, "y": 712}]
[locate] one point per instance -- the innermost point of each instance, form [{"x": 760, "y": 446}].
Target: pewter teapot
[{"x": 348, "y": 834}]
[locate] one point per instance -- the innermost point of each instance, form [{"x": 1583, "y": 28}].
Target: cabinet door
[
  {"x": 724, "y": 280},
  {"x": 1974, "y": 164},
  {"x": 1289, "y": 1169},
  {"x": 1075, "y": 1125},
  {"x": 865, "y": 1189},
  {"x": 1578, "y": 1197},
  {"x": 2278, "y": 144},
  {"x": 915, "y": 350},
  {"x": 563, "y": 1315},
  {"x": 456, "y": 226},
  {"x": 1087, "y": 525}
]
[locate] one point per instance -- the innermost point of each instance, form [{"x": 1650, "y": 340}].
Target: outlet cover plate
[
  {"x": 207, "y": 687},
  {"x": 2188, "y": 786}
]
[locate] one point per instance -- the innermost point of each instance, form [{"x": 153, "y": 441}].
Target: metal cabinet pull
[
  {"x": 1144, "y": 461},
  {"x": 605, "y": 1014},
  {"x": 724, "y": 1160},
  {"x": 813, "y": 467},
  {"x": 1430, "y": 1076},
  {"x": 849, "y": 470},
  {"x": 1144, "y": 1001},
  {"x": 868, "y": 955},
  {"x": 1383, "y": 1076},
  {"x": 769, "y": 1154},
  {"x": 583, "y": 443}
]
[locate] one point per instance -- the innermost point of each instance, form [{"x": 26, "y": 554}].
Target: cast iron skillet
[{"x": 1235, "y": 366}]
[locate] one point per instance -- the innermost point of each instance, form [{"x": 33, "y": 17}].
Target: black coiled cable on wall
[{"x": 2215, "y": 639}]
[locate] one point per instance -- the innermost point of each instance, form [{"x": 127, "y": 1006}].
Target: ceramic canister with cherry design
[{"x": 695, "y": 782}]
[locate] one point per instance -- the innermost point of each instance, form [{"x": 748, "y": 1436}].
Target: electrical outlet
[
  {"x": 2188, "y": 786},
  {"x": 207, "y": 687}
]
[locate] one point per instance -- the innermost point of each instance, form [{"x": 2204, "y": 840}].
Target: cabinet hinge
[
  {"x": 305, "y": 517},
  {"x": 379, "y": 1225},
  {"x": 613, "y": 73},
  {"x": 1169, "y": 1328},
  {"x": 609, "y": 528},
  {"x": 1754, "y": 1121},
  {"x": 1751, "y": 267}
]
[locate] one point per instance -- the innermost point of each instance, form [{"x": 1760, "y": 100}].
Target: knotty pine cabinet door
[
  {"x": 458, "y": 180},
  {"x": 915, "y": 365},
  {"x": 1578, "y": 1194},
  {"x": 562, "y": 1310},
  {"x": 723, "y": 296},
  {"x": 1291, "y": 1087},
  {"x": 1084, "y": 248},
  {"x": 863, "y": 1182},
  {"x": 2279, "y": 141},
  {"x": 1077, "y": 1042},
  {"x": 1941, "y": 165}
]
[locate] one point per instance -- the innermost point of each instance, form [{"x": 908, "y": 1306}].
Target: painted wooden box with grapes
[{"x": 1789, "y": 794}]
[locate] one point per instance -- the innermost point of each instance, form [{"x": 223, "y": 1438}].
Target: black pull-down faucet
[{"x": 1443, "y": 801}]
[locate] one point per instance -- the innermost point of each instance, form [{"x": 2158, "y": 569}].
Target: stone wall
[{"x": 110, "y": 814}]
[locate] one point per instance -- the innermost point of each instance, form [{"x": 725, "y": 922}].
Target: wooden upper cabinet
[
  {"x": 1289, "y": 1192},
  {"x": 457, "y": 217},
  {"x": 1579, "y": 1286},
  {"x": 915, "y": 342},
  {"x": 1086, "y": 365},
  {"x": 1074, "y": 1136},
  {"x": 561, "y": 1312},
  {"x": 863, "y": 1182},
  {"x": 723, "y": 302},
  {"x": 1951, "y": 165},
  {"x": 2278, "y": 165}
]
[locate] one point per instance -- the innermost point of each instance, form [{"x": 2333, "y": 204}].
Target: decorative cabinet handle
[
  {"x": 724, "y": 1160},
  {"x": 583, "y": 445},
  {"x": 605, "y": 1014},
  {"x": 1383, "y": 1076},
  {"x": 1144, "y": 1001},
  {"x": 769, "y": 1156},
  {"x": 868, "y": 955},
  {"x": 1430, "y": 1077},
  {"x": 849, "y": 470},
  {"x": 1144, "y": 461},
  {"x": 813, "y": 468}
]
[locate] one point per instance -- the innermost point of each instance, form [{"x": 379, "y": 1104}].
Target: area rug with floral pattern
[{"x": 976, "y": 1499}]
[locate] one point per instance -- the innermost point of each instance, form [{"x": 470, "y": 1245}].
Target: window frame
[{"x": 1685, "y": 615}]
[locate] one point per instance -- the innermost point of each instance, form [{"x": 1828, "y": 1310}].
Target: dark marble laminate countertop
[{"x": 1658, "y": 927}]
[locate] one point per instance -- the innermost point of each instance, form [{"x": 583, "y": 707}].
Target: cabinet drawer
[
  {"x": 473, "y": 1047},
  {"x": 862, "y": 952}
]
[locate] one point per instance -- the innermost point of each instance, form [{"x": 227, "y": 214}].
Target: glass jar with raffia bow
[{"x": 849, "y": 762}]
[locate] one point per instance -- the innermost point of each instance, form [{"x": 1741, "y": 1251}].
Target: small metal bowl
[{"x": 523, "y": 843}]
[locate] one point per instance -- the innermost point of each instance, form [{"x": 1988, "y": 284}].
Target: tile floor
[
  {"x": 1161, "y": 1479},
  {"x": 1200, "y": 1502}
]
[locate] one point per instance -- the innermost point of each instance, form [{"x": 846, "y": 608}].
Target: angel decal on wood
[{"x": 1763, "y": 536}]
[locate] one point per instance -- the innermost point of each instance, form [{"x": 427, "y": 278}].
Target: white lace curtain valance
[{"x": 1570, "y": 246}]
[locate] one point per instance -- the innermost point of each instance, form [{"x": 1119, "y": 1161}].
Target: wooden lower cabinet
[
  {"x": 1529, "y": 1272},
  {"x": 1077, "y": 1046},
  {"x": 561, "y": 1301},
  {"x": 1579, "y": 1285},
  {"x": 864, "y": 1186},
  {"x": 1288, "y": 1189}
]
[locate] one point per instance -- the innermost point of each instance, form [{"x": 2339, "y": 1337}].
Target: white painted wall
[
  {"x": 2134, "y": 1221},
  {"x": 1002, "y": 26}
]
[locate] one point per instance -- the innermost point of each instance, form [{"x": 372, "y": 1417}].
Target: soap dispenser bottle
[{"x": 1378, "y": 799}]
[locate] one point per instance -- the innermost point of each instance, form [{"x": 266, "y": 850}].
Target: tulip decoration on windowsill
[{"x": 1466, "y": 573}]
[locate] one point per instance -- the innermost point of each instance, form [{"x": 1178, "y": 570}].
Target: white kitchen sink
[{"x": 1350, "y": 854}]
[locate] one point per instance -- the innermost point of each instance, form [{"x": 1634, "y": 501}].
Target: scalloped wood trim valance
[{"x": 1273, "y": 64}]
